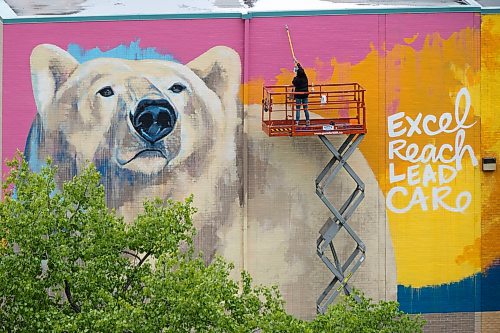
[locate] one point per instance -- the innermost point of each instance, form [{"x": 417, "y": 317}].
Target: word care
[{"x": 431, "y": 168}]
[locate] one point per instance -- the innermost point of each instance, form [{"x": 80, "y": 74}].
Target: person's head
[{"x": 301, "y": 72}]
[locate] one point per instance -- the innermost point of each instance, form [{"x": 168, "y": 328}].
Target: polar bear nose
[{"x": 153, "y": 119}]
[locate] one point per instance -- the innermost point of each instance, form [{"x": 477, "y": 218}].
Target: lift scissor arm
[{"x": 339, "y": 109}]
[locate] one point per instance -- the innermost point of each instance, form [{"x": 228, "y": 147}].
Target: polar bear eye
[
  {"x": 177, "y": 88},
  {"x": 106, "y": 92}
]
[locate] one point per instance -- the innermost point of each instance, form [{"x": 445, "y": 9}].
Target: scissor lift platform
[{"x": 335, "y": 109}]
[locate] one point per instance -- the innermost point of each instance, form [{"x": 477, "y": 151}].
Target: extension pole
[{"x": 291, "y": 45}]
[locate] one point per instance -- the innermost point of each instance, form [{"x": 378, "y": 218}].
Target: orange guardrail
[{"x": 336, "y": 108}]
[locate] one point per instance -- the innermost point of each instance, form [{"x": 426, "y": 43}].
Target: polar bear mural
[
  {"x": 157, "y": 128},
  {"x": 140, "y": 123}
]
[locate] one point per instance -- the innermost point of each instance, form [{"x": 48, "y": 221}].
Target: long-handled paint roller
[
  {"x": 291, "y": 96},
  {"x": 291, "y": 45}
]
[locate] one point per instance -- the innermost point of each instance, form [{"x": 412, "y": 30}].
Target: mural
[
  {"x": 162, "y": 116},
  {"x": 284, "y": 212},
  {"x": 151, "y": 127},
  {"x": 423, "y": 109},
  {"x": 160, "y": 128}
]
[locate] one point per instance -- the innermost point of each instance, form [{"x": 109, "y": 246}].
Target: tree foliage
[
  {"x": 69, "y": 264},
  {"x": 350, "y": 316}
]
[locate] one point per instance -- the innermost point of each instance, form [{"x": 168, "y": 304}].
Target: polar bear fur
[
  {"x": 76, "y": 125},
  {"x": 255, "y": 195}
]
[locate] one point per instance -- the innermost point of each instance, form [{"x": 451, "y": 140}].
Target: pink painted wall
[{"x": 184, "y": 39}]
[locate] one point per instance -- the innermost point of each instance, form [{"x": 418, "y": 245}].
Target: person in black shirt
[{"x": 301, "y": 86}]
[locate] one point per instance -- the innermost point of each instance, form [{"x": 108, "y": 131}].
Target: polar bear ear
[
  {"x": 220, "y": 69},
  {"x": 50, "y": 68}
]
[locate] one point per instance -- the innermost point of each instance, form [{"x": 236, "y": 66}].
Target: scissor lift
[{"x": 335, "y": 109}]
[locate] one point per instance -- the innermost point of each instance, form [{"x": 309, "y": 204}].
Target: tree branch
[
  {"x": 143, "y": 260},
  {"x": 48, "y": 195},
  {"x": 79, "y": 204},
  {"x": 129, "y": 279},
  {"x": 72, "y": 303},
  {"x": 132, "y": 254}
]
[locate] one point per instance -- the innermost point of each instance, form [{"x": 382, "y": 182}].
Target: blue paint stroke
[
  {"x": 131, "y": 52},
  {"x": 480, "y": 292}
]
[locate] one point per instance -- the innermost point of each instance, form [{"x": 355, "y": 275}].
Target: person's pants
[{"x": 298, "y": 102}]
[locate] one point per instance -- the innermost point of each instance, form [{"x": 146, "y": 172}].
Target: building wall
[
  {"x": 413, "y": 66},
  {"x": 1, "y": 90},
  {"x": 488, "y": 245},
  {"x": 429, "y": 219}
]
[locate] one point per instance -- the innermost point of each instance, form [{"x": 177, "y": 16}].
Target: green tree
[
  {"x": 69, "y": 264},
  {"x": 350, "y": 316}
]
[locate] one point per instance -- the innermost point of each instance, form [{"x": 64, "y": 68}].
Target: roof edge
[
  {"x": 8, "y": 16},
  {"x": 491, "y": 10},
  {"x": 380, "y": 10},
  {"x": 144, "y": 17}
]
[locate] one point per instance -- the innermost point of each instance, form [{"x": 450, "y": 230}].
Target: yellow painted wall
[{"x": 489, "y": 245}]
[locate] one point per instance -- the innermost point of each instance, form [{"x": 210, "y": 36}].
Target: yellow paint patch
[{"x": 409, "y": 40}]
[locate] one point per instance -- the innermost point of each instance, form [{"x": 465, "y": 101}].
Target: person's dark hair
[{"x": 301, "y": 72}]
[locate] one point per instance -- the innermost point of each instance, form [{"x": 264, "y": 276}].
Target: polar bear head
[{"x": 139, "y": 116}]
